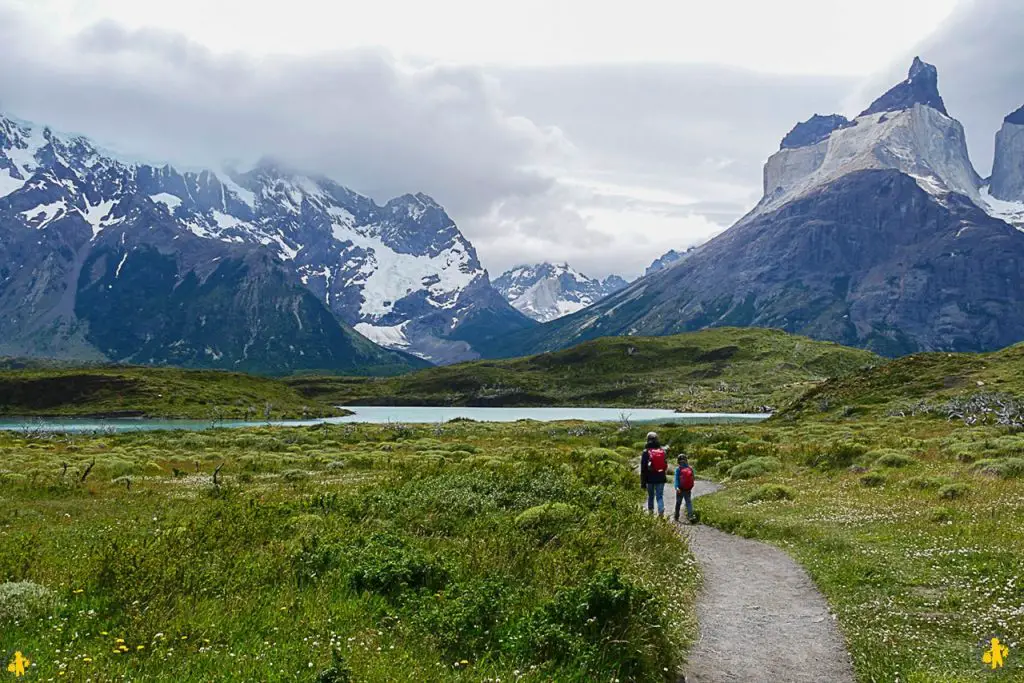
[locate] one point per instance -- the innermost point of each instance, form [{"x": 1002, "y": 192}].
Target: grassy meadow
[
  {"x": 339, "y": 553},
  {"x": 719, "y": 369},
  {"x": 151, "y": 392},
  {"x": 477, "y": 552},
  {"x": 909, "y": 526}
]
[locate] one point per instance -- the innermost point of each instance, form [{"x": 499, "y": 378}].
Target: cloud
[
  {"x": 604, "y": 166},
  {"x": 981, "y": 70},
  {"x": 360, "y": 116}
]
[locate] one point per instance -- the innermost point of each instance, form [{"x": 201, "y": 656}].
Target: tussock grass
[{"x": 465, "y": 552}]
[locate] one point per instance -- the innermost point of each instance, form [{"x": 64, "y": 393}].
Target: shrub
[
  {"x": 892, "y": 459},
  {"x": 954, "y": 491},
  {"x": 294, "y": 475},
  {"x": 548, "y": 520},
  {"x": 602, "y": 620},
  {"x": 941, "y": 515},
  {"x": 838, "y": 455},
  {"x": 926, "y": 483},
  {"x": 872, "y": 480},
  {"x": 770, "y": 492},
  {"x": 755, "y": 467},
  {"x": 387, "y": 565},
  {"x": 23, "y": 600},
  {"x": 1005, "y": 468}
]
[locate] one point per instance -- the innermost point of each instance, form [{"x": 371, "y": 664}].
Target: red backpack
[
  {"x": 659, "y": 461},
  {"x": 686, "y": 478}
]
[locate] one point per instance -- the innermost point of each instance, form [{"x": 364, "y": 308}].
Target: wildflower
[
  {"x": 78, "y": 591},
  {"x": 140, "y": 647}
]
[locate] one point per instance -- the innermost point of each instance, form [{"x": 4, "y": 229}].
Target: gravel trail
[{"x": 761, "y": 617}]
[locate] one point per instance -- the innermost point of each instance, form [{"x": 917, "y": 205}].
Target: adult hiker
[
  {"x": 653, "y": 469},
  {"x": 684, "y": 488}
]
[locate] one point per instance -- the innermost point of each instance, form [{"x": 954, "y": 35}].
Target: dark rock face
[
  {"x": 921, "y": 87},
  {"x": 612, "y": 284},
  {"x": 1016, "y": 118},
  {"x": 664, "y": 261},
  {"x": 814, "y": 130},
  {"x": 871, "y": 260}
]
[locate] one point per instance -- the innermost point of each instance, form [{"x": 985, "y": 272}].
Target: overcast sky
[{"x": 603, "y": 135}]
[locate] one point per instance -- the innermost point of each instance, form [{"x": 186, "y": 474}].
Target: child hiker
[{"x": 684, "y": 488}]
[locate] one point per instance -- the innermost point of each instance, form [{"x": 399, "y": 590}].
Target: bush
[
  {"x": 837, "y": 456},
  {"x": 941, "y": 515},
  {"x": 954, "y": 491},
  {"x": 601, "y": 622},
  {"x": 387, "y": 565},
  {"x": 755, "y": 467},
  {"x": 770, "y": 492},
  {"x": 892, "y": 459},
  {"x": 1004, "y": 468},
  {"x": 926, "y": 483},
  {"x": 23, "y": 600},
  {"x": 547, "y": 521},
  {"x": 872, "y": 480}
]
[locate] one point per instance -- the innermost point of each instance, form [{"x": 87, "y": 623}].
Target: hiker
[
  {"x": 653, "y": 468},
  {"x": 684, "y": 488}
]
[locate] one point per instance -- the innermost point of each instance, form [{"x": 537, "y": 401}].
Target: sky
[{"x": 602, "y": 134}]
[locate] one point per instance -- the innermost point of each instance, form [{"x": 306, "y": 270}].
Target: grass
[
  {"x": 721, "y": 369},
  {"x": 905, "y": 385},
  {"x": 920, "y": 555},
  {"x": 151, "y": 392},
  {"x": 463, "y": 552}
]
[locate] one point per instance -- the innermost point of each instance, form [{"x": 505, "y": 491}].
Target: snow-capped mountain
[
  {"x": 875, "y": 232},
  {"x": 402, "y": 274},
  {"x": 548, "y": 291}
]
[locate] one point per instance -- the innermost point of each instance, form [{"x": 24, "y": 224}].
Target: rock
[
  {"x": 1007, "y": 181},
  {"x": 921, "y": 87}
]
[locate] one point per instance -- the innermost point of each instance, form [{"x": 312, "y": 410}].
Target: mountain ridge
[
  {"x": 547, "y": 291},
  {"x": 402, "y": 272},
  {"x": 880, "y": 235}
]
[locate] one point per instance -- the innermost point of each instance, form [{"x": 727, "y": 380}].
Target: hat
[
  {"x": 652, "y": 436},
  {"x": 681, "y": 459}
]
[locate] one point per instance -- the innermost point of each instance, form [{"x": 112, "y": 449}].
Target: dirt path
[{"x": 761, "y": 618}]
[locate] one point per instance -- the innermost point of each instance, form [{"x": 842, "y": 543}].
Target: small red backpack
[
  {"x": 686, "y": 478},
  {"x": 659, "y": 461}
]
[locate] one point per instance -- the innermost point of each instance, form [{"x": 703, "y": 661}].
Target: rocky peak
[
  {"x": 546, "y": 291},
  {"x": 921, "y": 87},
  {"x": 814, "y": 130},
  {"x": 1015, "y": 118},
  {"x": 1007, "y": 182}
]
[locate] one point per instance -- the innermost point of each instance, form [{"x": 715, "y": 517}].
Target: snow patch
[
  {"x": 392, "y": 337},
  {"x": 44, "y": 214},
  {"x": 121, "y": 265},
  {"x": 1011, "y": 212},
  {"x": 167, "y": 199},
  {"x": 96, "y": 215},
  {"x": 388, "y": 276},
  {"x": 247, "y": 197}
]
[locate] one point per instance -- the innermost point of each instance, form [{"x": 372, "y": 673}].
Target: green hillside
[
  {"x": 720, "y": 369},
  {"x": 151, "y": 392},
  {"x": 916, "y": 383}
]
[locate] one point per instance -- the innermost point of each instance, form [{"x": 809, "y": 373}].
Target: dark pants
[{"x": 681, "y": 495}]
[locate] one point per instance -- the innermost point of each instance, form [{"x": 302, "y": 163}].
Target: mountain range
[
  {"x": 874, "y": 232},
  {"x": 548, "y": 291},
  {"x": 263, "y": 270}
]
